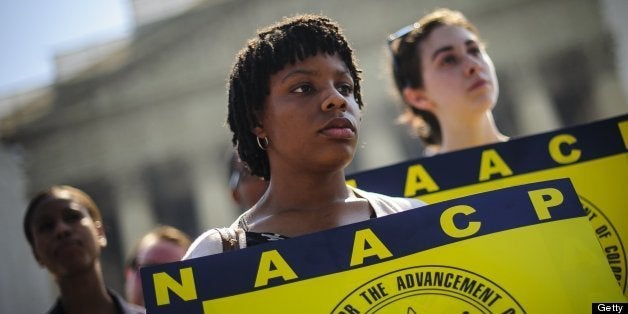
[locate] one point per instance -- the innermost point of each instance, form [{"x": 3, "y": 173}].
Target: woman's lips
[
  {"x": 341, "y": 128},
  {"x": 344, "y": 133},
  {"x": 478, "y": 84},
  {"x": 66, "y": 246}
]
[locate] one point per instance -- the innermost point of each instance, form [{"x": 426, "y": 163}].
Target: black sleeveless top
[{"x": 255, "y": 238}]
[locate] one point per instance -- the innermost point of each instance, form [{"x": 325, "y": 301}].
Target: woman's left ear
[
  {"x": 259, "y": 132},
  {"x": 37, "y": 258},
  {"x": 100, "y": 232},
  {"x": 416, "y": 98}
]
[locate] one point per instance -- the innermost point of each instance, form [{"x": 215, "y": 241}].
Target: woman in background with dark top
[{"x": 64, "y": 228}]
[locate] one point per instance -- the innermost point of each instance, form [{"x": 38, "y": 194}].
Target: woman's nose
[
  {"x": 62, "y": 229},
  {"x": 472, "y": 66},
  {"x": 334, "y": 101}
]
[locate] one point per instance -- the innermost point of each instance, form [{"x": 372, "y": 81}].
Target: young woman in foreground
[{"x": 295, "y": 110}]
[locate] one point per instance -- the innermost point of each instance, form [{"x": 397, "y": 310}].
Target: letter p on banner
[{"x": 543, "y": 199}]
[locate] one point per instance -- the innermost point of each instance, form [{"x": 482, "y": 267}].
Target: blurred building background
[{"x": 139, "y": 123}]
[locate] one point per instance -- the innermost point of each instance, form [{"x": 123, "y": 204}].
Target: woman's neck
[
  {"x": 85, "y": 293},
  {"x": 306, "y": 204},
  {"x": 304, "y": 192},
  {"x": 470, "y": 133}
]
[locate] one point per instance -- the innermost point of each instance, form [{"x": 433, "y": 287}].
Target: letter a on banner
[
  {"x": 418, "y": 179},
  {"x": 272, "y": 265},
  {"x": 366, "y": 244},
  {"x": 492, "y": 164}
]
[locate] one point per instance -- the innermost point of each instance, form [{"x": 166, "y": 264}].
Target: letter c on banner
[
  {"x": 557, "y": 154},
  {"x": 448, "y": 226}
]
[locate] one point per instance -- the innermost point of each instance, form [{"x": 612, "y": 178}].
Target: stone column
[
  {"x": 26, "y": 286},
  {"x": 134, "y": 210},
  {"x": 533, "y": 106},
  {"x": 210, "y": 190}
]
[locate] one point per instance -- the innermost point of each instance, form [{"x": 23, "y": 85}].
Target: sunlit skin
[
  {"x": 68, "y": 242},
  {"x": 460, "y": 88},
  {"x": 312, "y": 121},
  {"x": 248, "y": 189},
  {"x": 152, "y": 251}
]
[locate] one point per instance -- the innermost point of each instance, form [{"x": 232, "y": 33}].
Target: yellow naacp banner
[
  {"x": 594, "y": 156},
  {"x": 522, "y": 249}
]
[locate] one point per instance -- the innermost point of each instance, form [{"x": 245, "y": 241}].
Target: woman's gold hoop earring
[{"x": 259, "y": 143}]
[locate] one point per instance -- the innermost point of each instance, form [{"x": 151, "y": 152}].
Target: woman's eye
[
  {"x": 345, "y": 89},
  {"x": 474, "y": 51},
  {"x": 45, "y": 226},
  {"x": 303, "y": 89},
  {"x": 450, "y": 59},
  {"x": 73, "y": 216}
]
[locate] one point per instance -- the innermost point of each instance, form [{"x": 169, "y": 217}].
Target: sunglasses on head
[{"x": 395, "y": 38}]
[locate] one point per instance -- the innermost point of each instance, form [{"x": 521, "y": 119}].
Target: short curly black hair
[{"x": 286, "y": 42}]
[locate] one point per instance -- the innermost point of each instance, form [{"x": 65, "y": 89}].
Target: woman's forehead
[
  {"x": 450, "y": 34},
  {"x": 55, "y": 204},
  {"x": 311, "y": 66}
]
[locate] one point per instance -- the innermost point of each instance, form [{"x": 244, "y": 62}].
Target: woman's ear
[
  {"x": 416, "y": 98},
  {"x": 102, "y": 239},
  {"x": 37, "y": 258},
  {"x": 259, "y": 131}
]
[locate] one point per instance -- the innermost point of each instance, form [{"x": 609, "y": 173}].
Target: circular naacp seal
[
  {"x": 429, "y": 289},
  {"x": 609, "y": 240}
]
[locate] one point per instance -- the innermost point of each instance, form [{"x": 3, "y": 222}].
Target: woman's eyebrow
[
  {"x": 441, "y": 50},
  {"x": 467, "y": 42},
  {"x": 298, "y": 72}
]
